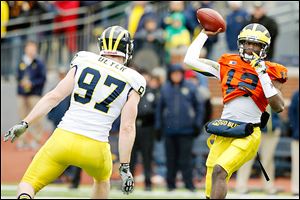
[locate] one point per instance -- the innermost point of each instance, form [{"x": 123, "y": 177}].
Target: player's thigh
[
  {"x": 239, "y": 152},
  {"x": 95, "y": 158},
  {"x": 219, "y": 145},
  {"x": 45, "y": 166}
]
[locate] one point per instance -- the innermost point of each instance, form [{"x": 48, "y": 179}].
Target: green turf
[{"x": 62, "y": 191}]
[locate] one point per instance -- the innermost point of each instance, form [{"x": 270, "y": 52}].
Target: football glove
[
  {"x": 258, "y": 64},
  {"x": 127, "y": 178},
  {"x": 16, "y": 131}
]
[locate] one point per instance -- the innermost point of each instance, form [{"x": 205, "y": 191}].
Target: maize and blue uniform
[{"x": 101, "y": 89}]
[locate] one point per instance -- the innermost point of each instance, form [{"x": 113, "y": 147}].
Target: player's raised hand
[
  {"x": 258, "y": 64},
  {"x": 15, "y": 131},
  {"x": 127, "y": 178},
  {"x": 211, "y": 33}
]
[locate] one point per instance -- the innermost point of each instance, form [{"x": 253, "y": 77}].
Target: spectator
[
  {"x": 188, "y": 11},
  {"x": 135, "y": 16},
  {"x": 177, "y": 35},
  {"x": 151, "y": 37},
  {"x": 5, "y": 67},
  {"x": 178, "y": 119},
  {"x": 270, "y": 138},
  {"x": 145, "y": 131},
  {"x": 259, "y": 16},
  {"x": 159, "y": 156},
  {"x": 235, "y": 22},
  {"x": 17, "y": 9},
  {"x": 31, "y": 77},
  {"x": 67, "y": 34},
  {"x": 293, "y": 115},
  {"x": 199, "y": 157},
  {"x": 174, "y": 7},
  {"x": 4, "y": 17}
]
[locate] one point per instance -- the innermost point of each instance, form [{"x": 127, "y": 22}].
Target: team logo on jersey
[{"x": 232, "y": 62}]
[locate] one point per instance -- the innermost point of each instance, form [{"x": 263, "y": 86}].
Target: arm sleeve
[{"x": 206, "y": 67}]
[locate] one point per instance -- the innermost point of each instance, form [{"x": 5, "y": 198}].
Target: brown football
[{"x": 210, "y": 19}]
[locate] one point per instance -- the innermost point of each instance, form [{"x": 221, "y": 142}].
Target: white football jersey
[{"x": 100, "y": 92}]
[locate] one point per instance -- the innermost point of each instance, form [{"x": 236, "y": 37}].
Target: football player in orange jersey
[{"x": 249, "y": 84}]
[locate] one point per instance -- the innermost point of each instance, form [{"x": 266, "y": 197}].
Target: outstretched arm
[
  {"x": 201, "y": 65},
  {"x": 45, "y": 104},
  {"x": 126, "y": 140},
  {"x": 127, "y": 126},
  {"x": 52, "y": 98}
]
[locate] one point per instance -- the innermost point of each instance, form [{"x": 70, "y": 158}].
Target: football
[{"x": 210, "y": 19}]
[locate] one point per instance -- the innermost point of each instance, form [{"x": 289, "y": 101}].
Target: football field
[{"x": 57, "y": 191}]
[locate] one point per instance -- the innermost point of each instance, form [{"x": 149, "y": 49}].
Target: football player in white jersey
[{"x": 101, "y": 89}]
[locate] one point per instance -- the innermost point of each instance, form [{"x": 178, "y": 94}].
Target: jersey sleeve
[
  {"x": 277, "y": 72},
  {"x": 204, "y": 66},
  {"x": 80, "y": 55},
  {"x": 137, "y": 82}
]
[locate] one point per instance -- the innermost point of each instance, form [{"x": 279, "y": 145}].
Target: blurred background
[{"x": 162, "y": 32}]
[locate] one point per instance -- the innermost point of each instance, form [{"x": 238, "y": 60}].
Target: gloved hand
[
  {"x": 16, "y": 131},
  {"x": 258, "y": 64},
  {"x": 127, "y": 178}
]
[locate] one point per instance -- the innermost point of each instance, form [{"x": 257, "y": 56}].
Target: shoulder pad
[
  {"x": 83, "y": 54},
  {"x": 136, "y": 81},
  {"x": 226, "y": 57}
]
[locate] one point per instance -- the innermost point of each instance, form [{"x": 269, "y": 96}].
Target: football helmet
[
  {"x": 256, "y": 33},
  {"x": 116, "y": 41}
]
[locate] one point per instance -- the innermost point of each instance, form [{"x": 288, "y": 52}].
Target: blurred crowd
[{"x": 177, "y": 102}]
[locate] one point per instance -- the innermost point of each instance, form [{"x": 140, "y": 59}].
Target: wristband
[{"x": 267, "y": 85}]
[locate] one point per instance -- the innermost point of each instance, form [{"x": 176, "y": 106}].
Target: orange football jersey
[{"x": 239, "y": 78}]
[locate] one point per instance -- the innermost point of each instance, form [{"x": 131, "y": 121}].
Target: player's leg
[
  {"x": 25, "y": 191},
  {"x": 94, "y": 157},
  {"x": 219, "y": 145},
  {"x": 219, "y": 185},
  {"x": 44, "y": 168},
  {"x": 100, "y": 189},
  {"x": 240, "y": 151},
  {"x": 208, "y": 181}
]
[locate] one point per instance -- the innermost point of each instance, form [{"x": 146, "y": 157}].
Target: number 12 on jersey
[{"x": 90, "y": 87}]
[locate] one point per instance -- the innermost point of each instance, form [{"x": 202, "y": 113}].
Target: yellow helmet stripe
[
  {"x": 111, "y": 34},
  {"x": 258, "y": 35},
  {"x": 119, "y": 39},
  {"x": 104, "y": 41}
]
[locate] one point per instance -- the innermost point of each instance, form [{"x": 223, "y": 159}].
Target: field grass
[
  {"x": 54, "y": 191},
  {"x": 61, "y": 191}
]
